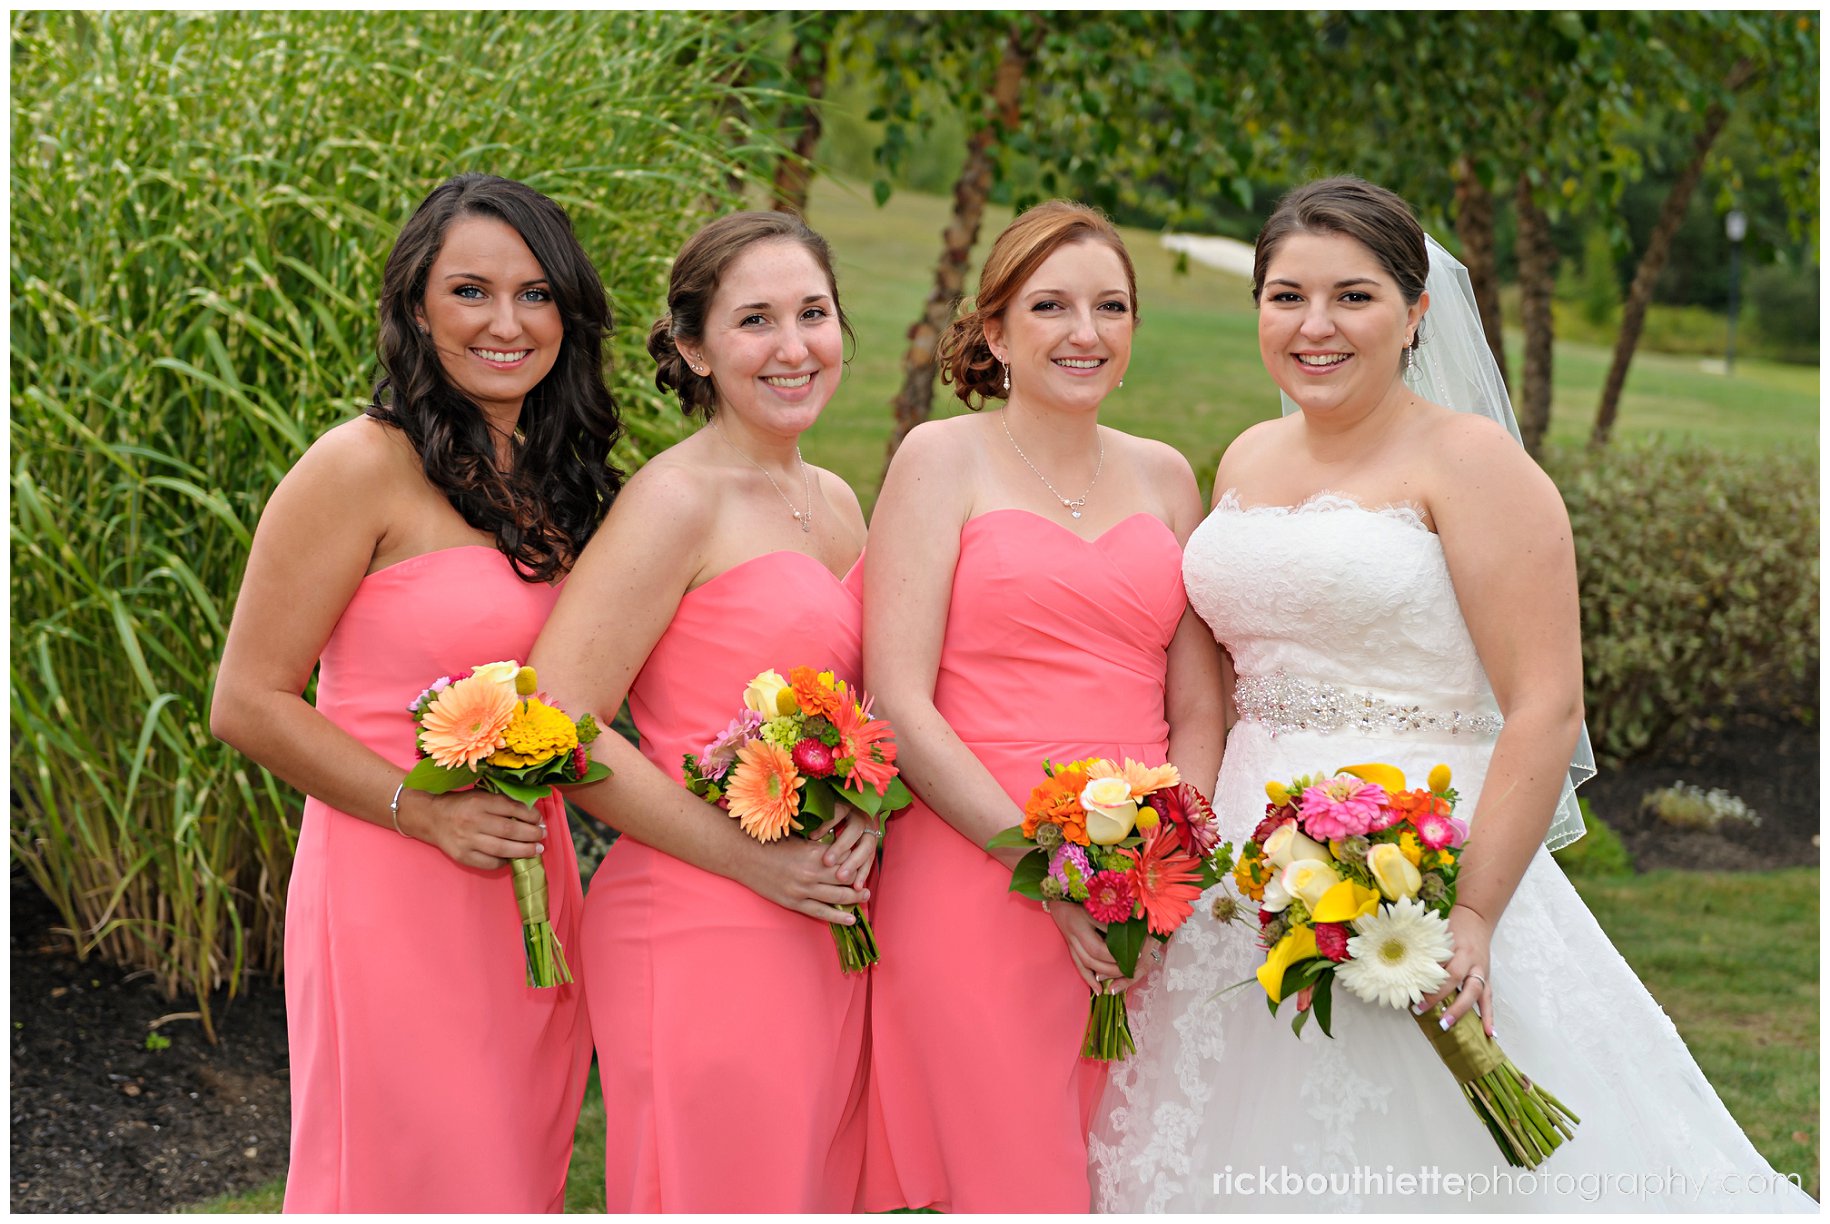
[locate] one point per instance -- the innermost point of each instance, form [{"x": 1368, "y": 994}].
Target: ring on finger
[{"x": 1472, "y": 974}]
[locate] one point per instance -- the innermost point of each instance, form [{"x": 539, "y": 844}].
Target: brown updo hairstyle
[
  {"x": 694, "y": 282},
  {"x": 1025, "y": 245},
  {"x": 1377, "y": 219}
]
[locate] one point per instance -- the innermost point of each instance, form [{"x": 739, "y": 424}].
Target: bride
[{"x": 1395, "y": 581}]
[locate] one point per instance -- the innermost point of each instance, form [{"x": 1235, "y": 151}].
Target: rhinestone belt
[{"x": 1283, "y": 703}]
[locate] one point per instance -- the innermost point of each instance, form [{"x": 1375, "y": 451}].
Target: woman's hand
[
  {"x": 1469, "y": 969},
  {"x": 1087, "y": 945},
  {"x": 474, "y": 828},
  {"x": 855, "y": 838},
  {"x": 793, "y": 874}
]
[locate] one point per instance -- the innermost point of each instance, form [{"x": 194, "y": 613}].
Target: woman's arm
[
  {"x": 1506, "y": 536},
  {"x": 311, "y": 550},
  {"x": 1195, "y": 702},
  {"x": 908, "y": 584},
  {"x": 620, "y": 598}
]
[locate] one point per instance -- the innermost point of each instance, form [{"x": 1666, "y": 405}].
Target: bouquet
[
  {"x": 1135, "y": 846},
  {"x": 800, "y": 746},
  {"x": 1354, "y": 876},
  {"x": 490, "y": 730}
]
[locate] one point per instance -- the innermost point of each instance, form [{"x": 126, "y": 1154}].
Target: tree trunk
[
  {"x": 1537, "y": 283},
  {"x": 1474, "y": 226},
  {"x": 1652, "y": 262},
  {"x": 807, "y": 67},
  {"x": 971, "y": 190}
]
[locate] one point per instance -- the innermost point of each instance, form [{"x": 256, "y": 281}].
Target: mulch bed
[{"x": 101, "y": 1123}]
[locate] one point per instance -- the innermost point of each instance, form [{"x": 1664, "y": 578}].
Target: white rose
[
  {"x": 502, "y": 673},
  {"x": 1276, "y": 897},
  {"x": 771, "y": 696},
  {"x": 1111, "y": 812},
  {"x": 1309, "y": 879},
  {"x": 1288, "y": 843}
]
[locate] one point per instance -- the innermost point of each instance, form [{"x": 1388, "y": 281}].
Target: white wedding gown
[{"x": 1343, "y": 619}]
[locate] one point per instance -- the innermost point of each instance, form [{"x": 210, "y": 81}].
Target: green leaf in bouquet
[
  {"x": 817, "y": 799},
  {"x": 866, "y": 800},
  {"x": 1298, "y": 976},
  {"x": 521, "y": 792},
  {"x": 1322, "y": 1003},
  {"x": 1029, "y": 874},
  {"x": 1010, "y": 839},
  {"x": 597, "y": 771},
  {"x": 1126, "y": 940},
  {"x": 435, "y": 779},
  {"x": 1297, "y": 1021},
  {"x": 896, "y": 796}
]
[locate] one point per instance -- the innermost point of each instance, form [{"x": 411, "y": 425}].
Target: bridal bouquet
[
  {"x": 1135, "y": 846},
  {"x": 801, "y": 745},
  {"x": 1354, "y": 876},
  {"x": 491, "y": 731}
]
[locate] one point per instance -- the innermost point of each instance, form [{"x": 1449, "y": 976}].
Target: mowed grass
[
  {"x": 1195, "y": 379},
  {"x": 1732, "y": 958}
]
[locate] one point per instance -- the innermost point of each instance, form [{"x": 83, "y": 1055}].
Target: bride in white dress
[{"x": 1395, "y": 581}]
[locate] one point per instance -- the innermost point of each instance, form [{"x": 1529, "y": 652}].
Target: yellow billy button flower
[
  {"x": 1277, "y": 793},
  {"x": 525, "y": 683},
  {"x": 1439, "y": 779},
  {"x": 1294, "y": 948},
  {"x": 1345, "y": 902}
]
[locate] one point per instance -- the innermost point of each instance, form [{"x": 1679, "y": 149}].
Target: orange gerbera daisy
[
  {"x": 1142, "y": 779},
  {"x": 1166, "y": 881},
  {"x": 867, "y": 742},
  {"x": 1057, "y": 801},
  {"x": 466, "y": 720},
  {"x": 764, "y": 790},
  {"x": 817, "y": 692}
]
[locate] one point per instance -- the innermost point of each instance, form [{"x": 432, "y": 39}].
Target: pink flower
[
  {"x": 1437, "y": 831},
  {"x": 813, "y": 758},
  {"x": 718, "y": 755},
  {"x": 1331, "y": 940},
  {"x": 1344, "y": 806},
  {"x": 1110, "y": 897}
]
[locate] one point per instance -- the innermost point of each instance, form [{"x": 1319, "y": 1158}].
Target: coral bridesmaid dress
[
  {"x": 1056, "y": 647},
  {"x": 426, "y": 1074},
  {"x": 729, "y": 1044}
]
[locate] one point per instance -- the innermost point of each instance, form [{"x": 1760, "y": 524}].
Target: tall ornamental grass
[{"x": 201, "y": 207}]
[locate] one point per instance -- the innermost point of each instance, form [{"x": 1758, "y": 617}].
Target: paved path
[{"x": 1227, "y": 254}]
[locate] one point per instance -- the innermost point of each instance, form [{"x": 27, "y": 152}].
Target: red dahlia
[
  {"x": 1274, "y": 819},
  {"x": 813, "y": 758},
  {"x": 1331, "y": 940}
]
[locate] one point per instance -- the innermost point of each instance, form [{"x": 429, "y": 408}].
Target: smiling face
[
  {"x": 1332, "y": 324},
  {"x": 1066, "y": 335},
  {"x": 490, "y": 314},
  {"x": 772, "y": 347}
]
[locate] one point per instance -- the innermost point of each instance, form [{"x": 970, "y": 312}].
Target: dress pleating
[
  {"x": 1056, "y": 647},
  {"x": 730, "y": 1045},
  {"x": 426, "y": 1074}
]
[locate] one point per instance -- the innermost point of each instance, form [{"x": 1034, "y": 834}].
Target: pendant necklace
[
  {"x": 804, "y": 518},
  {"x": 1072, "y": 505}
]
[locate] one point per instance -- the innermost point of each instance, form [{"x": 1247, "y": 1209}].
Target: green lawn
[{"x": 1195, "y": 378}]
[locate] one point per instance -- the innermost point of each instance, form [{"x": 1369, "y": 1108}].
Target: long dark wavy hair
[{"x": 560, "y": 480}]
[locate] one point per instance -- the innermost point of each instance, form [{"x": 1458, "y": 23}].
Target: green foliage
[
  {"x": 197, "y": 248},
  {"x": 1783, "y": 312},
  {"x": 158, "y": 1041},
  {"x": 1699, "y": 579},
  {"x": 1597, "y": 291},
  {"x": 1599, "y": 854}
]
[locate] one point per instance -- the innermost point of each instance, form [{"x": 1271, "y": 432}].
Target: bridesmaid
[
  {"x": 421, "y": 539},
  {"x": 1025, "y": 601},
  {"x": 729, "y": 1043}
]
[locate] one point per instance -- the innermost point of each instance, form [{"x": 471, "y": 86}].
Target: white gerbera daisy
[{"x": 1397, "y": 954}]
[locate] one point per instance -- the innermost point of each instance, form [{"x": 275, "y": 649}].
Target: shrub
[
  {"x": 1683, "y": 806},
  {"x": 1598, "y": 853},
  {"x": 1782, "y": 315},
  {"x": 1699, "y": 575},
  {"x": 201, "y": 207}
]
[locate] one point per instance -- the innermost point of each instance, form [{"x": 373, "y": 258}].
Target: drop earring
[{"x": 1006, "y": 378}]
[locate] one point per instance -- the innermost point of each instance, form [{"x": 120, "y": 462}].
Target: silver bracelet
[{"x": 394, "y": 808}]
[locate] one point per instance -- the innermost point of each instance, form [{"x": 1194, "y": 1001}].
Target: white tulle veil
[{"x": 1455, "y": 368}]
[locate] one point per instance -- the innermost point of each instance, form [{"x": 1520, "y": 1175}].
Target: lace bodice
[{"x": 1335, "y": 592}]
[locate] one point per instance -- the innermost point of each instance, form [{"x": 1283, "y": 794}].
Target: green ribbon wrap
[
  {"x": 546, "y": 959},
  {"x": 1526, "y": 1121}
]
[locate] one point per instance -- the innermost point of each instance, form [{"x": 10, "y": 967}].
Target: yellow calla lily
[
  {"x": 1345, "y": 902},
  {"x": 1439, "y": 779},
  {"x": 1388, "y": 776},
  {"x": 1297, "y": 946}
]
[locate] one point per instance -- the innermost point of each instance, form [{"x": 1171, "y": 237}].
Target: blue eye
[
  {"x": 467, "y": 291},
  {"x": 538, "y": 295}
]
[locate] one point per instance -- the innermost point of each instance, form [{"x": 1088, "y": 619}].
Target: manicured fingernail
[
  {"x": 539, "y": 847},
  {"x": 1444, "y": 1023},
  {"x": 866, "y": 892},
  {"x": 1417, "y": 1009}
]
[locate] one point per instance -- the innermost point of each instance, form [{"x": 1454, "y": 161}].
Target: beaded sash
[{"x": 1285, "y": 703}]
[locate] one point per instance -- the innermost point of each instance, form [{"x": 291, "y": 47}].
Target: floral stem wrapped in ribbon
[
  {"x": 1354, "y": 876},
  {"x": 1132, "y": 844},
  {"x": 491, "y": 731},
  {"x": 802, "y": 745}
]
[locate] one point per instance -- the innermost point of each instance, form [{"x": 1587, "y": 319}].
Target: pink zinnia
[
  {"x": 1110, "y": 897},
  {"x": 1331, "y": 940},
  {"x": 1275, "y": 818},
  {"x": 1438, "y": 831},
  {"x": 1343, "y": 806}
]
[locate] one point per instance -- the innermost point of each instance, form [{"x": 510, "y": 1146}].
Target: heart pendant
[{"x": 1075, "y": 513}]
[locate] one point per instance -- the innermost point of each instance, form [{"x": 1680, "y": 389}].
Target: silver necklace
[
  {"x": 805, "y": 519},
  {"x": 1072, "y": 505}
]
